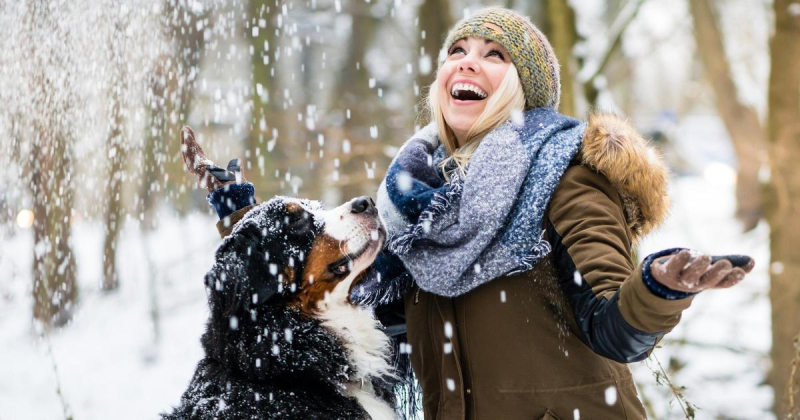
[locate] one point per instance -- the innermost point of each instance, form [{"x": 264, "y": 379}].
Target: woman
[{"x": 516, "y": 224}]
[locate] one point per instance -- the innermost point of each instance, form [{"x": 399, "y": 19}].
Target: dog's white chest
[{"x": 368, "y": 348}]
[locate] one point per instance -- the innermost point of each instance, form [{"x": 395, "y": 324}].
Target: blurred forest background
[{"x": 105, "y": 237}]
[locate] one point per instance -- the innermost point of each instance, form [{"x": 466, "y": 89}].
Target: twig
[
  {"x": 793, "y": 411},
  {"x": 64, "y": 405},
  {"x": 624, "y": 19},
  {"x": 737, "y": 350},
  {"x": 687, "y": 407}
]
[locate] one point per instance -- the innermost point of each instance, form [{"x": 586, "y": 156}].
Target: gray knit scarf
[{"x": 454, "y": 236}]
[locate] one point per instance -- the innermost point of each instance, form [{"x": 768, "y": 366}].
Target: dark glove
[
  {"x": 690, "y": 273},
  {"x": 225, "y": 176}
]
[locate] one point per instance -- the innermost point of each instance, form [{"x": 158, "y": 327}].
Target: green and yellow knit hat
[{"x": 530, "y": 51}]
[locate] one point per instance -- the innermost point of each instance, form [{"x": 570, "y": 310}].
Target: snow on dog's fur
[{"x": 283, "y": 339}]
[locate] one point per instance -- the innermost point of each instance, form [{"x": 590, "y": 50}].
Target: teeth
[{"x": 466, "y": 86}]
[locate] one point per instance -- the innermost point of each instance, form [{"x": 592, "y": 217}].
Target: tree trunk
[
  {"x": 117, "y": 154},
  {"x": 54, "y": 287},
  {"x": 114, "y": 213},
  {"x": 168, "y": 103},
  {"x": 268, "y": 128},
  {"x": 434, "y": 21},
  {"x": 741, "y": 122},
  {"x": 563, "y": 34},
  {"x": 354, "y": 97},
  {"x": 783, "y": 205}
]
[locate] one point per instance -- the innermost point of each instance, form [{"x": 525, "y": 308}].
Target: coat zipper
[{"x": 416, "y": 296}]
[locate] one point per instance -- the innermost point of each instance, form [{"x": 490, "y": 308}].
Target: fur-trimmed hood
[{"x": 614, "y": 148}]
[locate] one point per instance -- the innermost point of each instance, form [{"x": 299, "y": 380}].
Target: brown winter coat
[{"x": 512, "y": 348}]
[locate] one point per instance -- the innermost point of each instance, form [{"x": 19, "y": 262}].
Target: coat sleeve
[
  {"x": 231, "y": 202},
  {"x": 620, "y": 317},
  {"x": 225, "y": 224}
]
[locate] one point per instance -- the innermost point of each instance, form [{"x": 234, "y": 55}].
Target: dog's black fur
[{"x": 264, "y": 359}]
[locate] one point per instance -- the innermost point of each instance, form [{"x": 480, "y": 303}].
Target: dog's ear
[
  {"x": 264, "y": 250},
  {"x": 243, "y": 270}
]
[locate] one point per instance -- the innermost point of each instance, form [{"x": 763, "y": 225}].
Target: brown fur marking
[{"x": 317, "y": 277}]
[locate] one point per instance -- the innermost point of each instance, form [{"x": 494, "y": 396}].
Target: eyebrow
[{"x": 486, "y": 41}]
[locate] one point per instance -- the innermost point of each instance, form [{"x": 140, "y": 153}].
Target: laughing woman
[{"x": 516, "y": 225}]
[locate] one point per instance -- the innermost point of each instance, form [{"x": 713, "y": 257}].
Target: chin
[
  {"x": 462, "y": 120},
  {"x": 460, "y": 124}
]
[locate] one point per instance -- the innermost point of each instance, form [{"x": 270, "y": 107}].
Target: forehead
[
  {"x": 478, "y": 42},
  {"x": 312, "y": 207}
]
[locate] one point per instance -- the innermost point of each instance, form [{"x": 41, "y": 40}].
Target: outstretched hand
[
  {"x": 690, "y": 273},
  {"x": 209, "y": 176}
]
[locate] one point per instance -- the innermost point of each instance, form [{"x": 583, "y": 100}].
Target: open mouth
[
  {"x": 377, "y": 236},
  {"x": 467, "y": 92}
]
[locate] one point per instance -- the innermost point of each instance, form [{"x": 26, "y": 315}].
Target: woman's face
[{"x": 472, "y": 72}]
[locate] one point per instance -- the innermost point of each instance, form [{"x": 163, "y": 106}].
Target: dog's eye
[{"x": 341, "y": 269}]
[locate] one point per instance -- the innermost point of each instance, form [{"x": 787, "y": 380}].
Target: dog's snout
[{"x": 362, "y": 205}]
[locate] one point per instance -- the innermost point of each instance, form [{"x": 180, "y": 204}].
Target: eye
[
  {"x": 497, "y": 54},
  {"x": 341, "y": 269},
  {"x": 456, "y": 50}
]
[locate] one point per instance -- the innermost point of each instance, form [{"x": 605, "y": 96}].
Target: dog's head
[{"x": 293, "y": 252}]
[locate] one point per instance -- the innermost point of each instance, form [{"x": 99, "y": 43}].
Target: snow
[
  {"x": 721, "y": 347},
  {"x": 611, "y": 395},
  {"x": 113, "y": 361},
  {"x": 109, "y": 365}
]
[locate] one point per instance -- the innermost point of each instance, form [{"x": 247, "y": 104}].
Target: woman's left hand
[
  {"x": 208, "y": 175},
  {"x": 688, "y": 272}
]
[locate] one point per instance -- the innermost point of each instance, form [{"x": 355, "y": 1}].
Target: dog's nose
[{"x": 362, "y": 204}]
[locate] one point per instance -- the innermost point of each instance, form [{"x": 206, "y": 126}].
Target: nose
[
  {"x": 469, "y": 63},
  {"x": 362, "y": 204}
]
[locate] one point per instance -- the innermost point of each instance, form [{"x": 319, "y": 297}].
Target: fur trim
[{"x": 614, "y": 148}]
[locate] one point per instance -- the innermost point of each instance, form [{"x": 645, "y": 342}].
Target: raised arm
[
  {"x": 229, "y": 193},
  {"x": 622, "y": 310}
]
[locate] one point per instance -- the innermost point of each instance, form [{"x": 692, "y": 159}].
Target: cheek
[
  {"x": 496, "y": 74},
  {"x": 445, "y": 72},
  {"x": 441, "y": 87}
]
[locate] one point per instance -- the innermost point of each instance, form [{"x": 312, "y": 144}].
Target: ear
[{"x": 242, "y": 260}]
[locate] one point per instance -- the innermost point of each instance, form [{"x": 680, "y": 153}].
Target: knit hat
[{"x": 530, "y": 51}]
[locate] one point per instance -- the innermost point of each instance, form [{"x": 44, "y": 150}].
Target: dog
[{"x": 283, "y": 339}]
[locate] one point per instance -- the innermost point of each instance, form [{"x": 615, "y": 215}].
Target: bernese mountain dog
[{"x": 283, "y": 340}]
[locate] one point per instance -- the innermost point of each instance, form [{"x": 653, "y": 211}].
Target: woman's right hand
[
  {"x": 209, "y": 176},
  {"x": 690, "y": 273}
]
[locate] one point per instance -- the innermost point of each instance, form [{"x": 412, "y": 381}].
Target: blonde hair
[{"x": 508, "y": 98}]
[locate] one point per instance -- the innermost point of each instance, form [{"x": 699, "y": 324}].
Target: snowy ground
[
  {"x": 110, "y": 367},
  {"x": 724, "y": 338}
]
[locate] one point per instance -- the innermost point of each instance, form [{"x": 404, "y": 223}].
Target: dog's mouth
[
  {"x": 364, "y": 250},
  {"x": 356, "y": 226}
]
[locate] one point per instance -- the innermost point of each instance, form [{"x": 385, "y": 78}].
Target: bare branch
[{"x": 621, "y": 23}]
